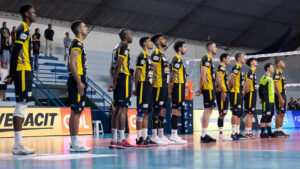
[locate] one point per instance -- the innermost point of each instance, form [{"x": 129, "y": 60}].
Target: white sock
[
  {"x": 18, "y": 137},
  {"x": 204, "y": 131},
  {"x": 121, "y": 135},
  {"x": 74, "y": 139},
  {"x": 161, "y": 132},
  {"x": 138, "y": 134},
  {"x": 174, "y": 132},
  {"x": 248, "y": 130},
  {"x": 115, "y": 135},
  {"x": 154, "y": 133},
  {"x": 280, "y": 129},
  {"x": 238, "y": 129},
  {"x": 221, "y": 130},
  {"x": 233, "y": 128},
  {"x": 145, "y": 133}
]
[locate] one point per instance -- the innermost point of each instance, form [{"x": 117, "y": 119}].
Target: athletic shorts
[
  {"x": 280, "y": 109},
  {"x": 236, "y": 102},
  {"x": 209, "y": 98},
  {"x": 222, "y": 105},
  {"x": 178, "y": 96},
  {"x": 268, "y": 108},
  {"x": 250, "y": 102},
  {"x": 77, "y": 102},
  {"x": 144, "y": 97},
  {"x": 160, "y": 96},
  {"x": 122, "y": 93},
  {"x": 23, "y": 86}
]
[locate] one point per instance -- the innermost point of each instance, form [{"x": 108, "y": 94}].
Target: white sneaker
[
  {"x": 22, "y": 150},
  {"x": 77, "y": 147},
  {"x": 158, "y": 141},
  {"x": 178, "y": 140},
  {"x": 223, "y": 138},
  {"x": 166, "y": 140}
]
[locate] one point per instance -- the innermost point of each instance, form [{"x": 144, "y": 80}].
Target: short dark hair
[
  {"x": 277, "y": 61},
  {"x": 155, "y": 37},
  {"x": 248, "y": 62},
  {"x": 122, "y": 34},
  {"x": 143, "y": 40},
  {"x": 74, "y": 26},
  {"x": 178, "y": 45},
  {"x": 67, "y": 33},
  {"x": 24, "y": 9},
  {"x": 223, "y": 56},
  {"x": 209, "y": 43},
  {"x": 49, "y": 24},
  {"x": 267, "y": 65},
  {"x": 237, "y": 56}
]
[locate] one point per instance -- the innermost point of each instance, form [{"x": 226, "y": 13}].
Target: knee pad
[
  {"x": 20, "y": 110},
  {"x": 263, "y": 119},
  {"x": 139, "y": 116}
]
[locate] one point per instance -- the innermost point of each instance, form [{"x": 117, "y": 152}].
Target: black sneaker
[
  {"x": 208, "y": 139},
  {"x": 272, "y": 135},
  {"x": 142, "y": 143},
  {"x": 277, "y": 134},
  {"x": 241, "y": 136},
  {"x": 264, "y": 135},
  {"x": 235, "y": 136},
  {"x": 150, "y": 142},
  {"x": 285, "y": 135}
]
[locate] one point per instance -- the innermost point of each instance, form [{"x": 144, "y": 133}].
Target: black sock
[
  {"x": 154, "y": 122},
  {"x": 174, "y": 122},
  {"x": 220, "y": 122},
  {"x": 161, "y": 122},
  {"x": 262, "y": 129},
  {"x": 269, "y": 130}
]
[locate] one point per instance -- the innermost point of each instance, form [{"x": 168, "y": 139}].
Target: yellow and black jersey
[
  {"x": 252, "y": 77},
  {"x": 162, "y": 69},
  {"x": 278, "y": 77},
  {"x": 122, "y": 50},
  {"x": 178, "y": 67},
  {"x": 221, "y": 69},
  {"x": 144, "y": 62},
  {"x": 239, "y": 78},
  {"x": 81, "y": 59},
  {"x": 23, "y": 37},
  {"x": 206, "y": 62}
]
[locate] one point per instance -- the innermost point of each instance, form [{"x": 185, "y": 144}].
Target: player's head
[
  {"x": 4, "y": 24},
  {"x": 79, "y": 27},
  {"x": 180, "y": 47},
  {"x": 159, "y": 39},
  {"x": 280, "y": 64},
  {"x": 67, "y": 34},
  {"x": 145, "y": 42},
  {"x": 50, "y": 26},
  {"x": 28, "y": 13},
  {"x": 252, "y": 62},
  {"x": 37, "y": 30},
  {"x": 125, "y": 35},
  {"x": 239, "y": 57},
  {"x": 269, "y": 67},
  {"x": 211, "y": 47},
  {"x": 224, "y": 57},
  {"x": 3, "y": 65}
]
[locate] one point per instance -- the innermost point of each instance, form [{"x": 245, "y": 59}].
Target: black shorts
[
  {"x": 160, "y": 96},
  {"x": 209, "y": 98},
  {"x": 222, "y": 106},
  {"x": 3, "y": 86},
  {"x": 250, "y": 102},
  {"x": 122, "y": 93},
  {"x": 280, "y": 109},
  {"x": 268, "y": 108},
  {"x": 236, "y": 102},
  {"x": 178, "y": 96},
  {"x": 77, "y": 102},
  {"x": 144, "y": 97},
  {"x": 23, "y": 86}
]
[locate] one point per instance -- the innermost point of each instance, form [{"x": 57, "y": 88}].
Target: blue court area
[{"x": 52, "y": 152}]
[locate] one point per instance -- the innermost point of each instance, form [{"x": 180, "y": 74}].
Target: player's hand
[
  {"x": 80, "y": 88},
  {"x": 260, "y": 101},
  {"x": 8, "y": 80},
  {"x": 223, "y": 96},
  {"x": 198, "y": 92},
  {"x": 134, "y": 92},
  {"x": 281, "y": 102},
  {"x": 112, "y": 87}
]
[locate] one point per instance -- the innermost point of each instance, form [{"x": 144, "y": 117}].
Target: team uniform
[
  {"x": 278, "y": 77},
  {"x": 250, "y": 96},
  {"x": 23, "y": 72},
  {"x": 178, "y": 90},
  {"x": 236, "y": 96},
  {"x": 122, "y": 93},
  {"x": 161, "y": 79},
  {"x": 208, "y": 89},
  {"x": 77, "y": 101},
  {"x": 223, "y": 105}
]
